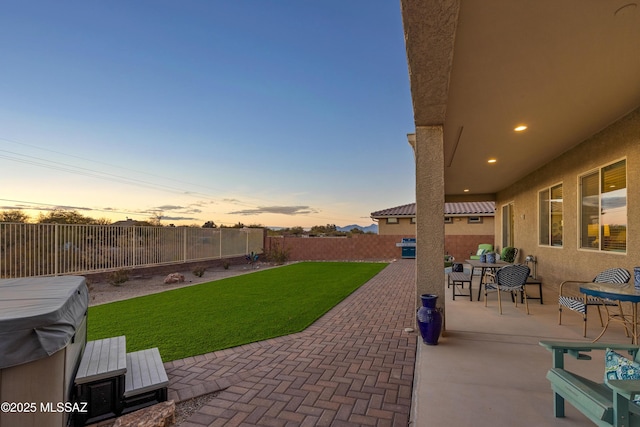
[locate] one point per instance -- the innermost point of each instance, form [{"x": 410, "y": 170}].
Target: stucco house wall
[
  {"x": 555, "y": 264},
  {"x": 404, "y": 226},
  {"x": 460, "y": 225}
]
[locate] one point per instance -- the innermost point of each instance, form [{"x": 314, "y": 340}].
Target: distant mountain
[{"x": 373, "y": 228}]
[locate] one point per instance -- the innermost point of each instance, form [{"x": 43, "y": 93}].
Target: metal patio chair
[
  {"x": 510, "y": 278},
  {"x": 570, "y": 298}
]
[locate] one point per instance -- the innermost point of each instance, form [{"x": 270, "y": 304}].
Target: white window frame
[
  {"x": 550, "y": 217},
  {"x": 508, "y": 238},
  {"x": 599, "y": 226}
]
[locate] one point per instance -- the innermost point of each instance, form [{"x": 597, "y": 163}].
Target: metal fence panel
[{"x": 55, "y": 249}]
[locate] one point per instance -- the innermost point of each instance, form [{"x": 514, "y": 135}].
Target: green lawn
[{"x": 226, "y": 313}]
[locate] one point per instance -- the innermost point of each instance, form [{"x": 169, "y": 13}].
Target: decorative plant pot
[
  {"x": 483, "y": 258},
  {"x": 491, "y": 258},
  {"x": 636, "y": 275},
  {"x": 429, "y": 319}
]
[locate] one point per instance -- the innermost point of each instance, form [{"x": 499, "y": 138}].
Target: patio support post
[{"x": 428, "y": 146}]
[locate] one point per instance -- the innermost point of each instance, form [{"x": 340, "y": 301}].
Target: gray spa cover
[{"x": 39, "y": 316}]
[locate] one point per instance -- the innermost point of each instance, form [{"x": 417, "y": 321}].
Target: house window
[
  {"x": 413, "y": 220},
  {"x": 392, "y": 220},
  {"x": 474, "y": 220},
  {"x": 507, "y": 225},
  {"x": 448, "y": 220},
  {"x": 603, "y": 208},
  {"x": 550, "y": 218}
]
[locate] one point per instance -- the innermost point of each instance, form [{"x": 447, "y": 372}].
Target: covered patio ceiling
[{"x": 565, "y": 69}]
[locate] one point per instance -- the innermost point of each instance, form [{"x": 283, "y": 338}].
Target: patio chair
[
  {"x": 482, "y": 248},
  {"x": 569, "y": 297},
  {"x": 510, "y": 278}
]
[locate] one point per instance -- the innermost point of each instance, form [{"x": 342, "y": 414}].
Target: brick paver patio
[{"x": 354, "y": 366}]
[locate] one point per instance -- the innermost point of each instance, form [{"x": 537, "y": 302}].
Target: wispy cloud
[
  {"x": 284, "y": 210},
  {"x": 179, "y": 218},
  {"x": 169, "y": 207},
  {"x": 44, "y": 207}
]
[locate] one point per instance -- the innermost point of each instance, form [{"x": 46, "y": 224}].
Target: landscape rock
[{"x": 174, "y": 278}]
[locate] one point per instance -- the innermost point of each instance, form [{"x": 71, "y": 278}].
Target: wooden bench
[
  {"x": 603, "y": 403},
  {"x": 146, "y": 380},
  {"x": 99, "y": 380},
  {"x": 459, "y": 279}
]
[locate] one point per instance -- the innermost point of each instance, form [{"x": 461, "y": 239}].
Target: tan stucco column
[{"x": 427, "y": 145}]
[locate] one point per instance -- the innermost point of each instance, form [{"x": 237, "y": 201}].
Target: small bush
[
  {"x": 226, "y": 265},
  {"x": 277, "y": 254},
  {"x": 118, "y": 277},
  {"x": 199, "y": 270}
]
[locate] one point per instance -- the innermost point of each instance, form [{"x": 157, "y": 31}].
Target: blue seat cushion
[{"x": 618, "y": 367}]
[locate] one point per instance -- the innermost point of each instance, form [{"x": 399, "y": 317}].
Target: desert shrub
[
  {"x": 199, "y": 270},
  {"x": 118, "y": 277},
  {"x": 277, "y": 254}
]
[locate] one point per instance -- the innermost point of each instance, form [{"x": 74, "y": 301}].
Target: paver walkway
[{"x": 354, "y": 366}]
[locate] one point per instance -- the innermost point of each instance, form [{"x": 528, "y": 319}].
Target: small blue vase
[
  {"x": 429, "y": 319},
  {"x": 491, "y": 258},
  {"x": 483, "y": 258},
  {"x": 636, "y": 275}
]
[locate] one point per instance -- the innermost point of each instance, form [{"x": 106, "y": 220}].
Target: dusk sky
[{"x": 273, "y": 112}]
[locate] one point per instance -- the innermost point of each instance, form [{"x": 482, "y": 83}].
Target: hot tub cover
[{"x": 39, "y": 316}]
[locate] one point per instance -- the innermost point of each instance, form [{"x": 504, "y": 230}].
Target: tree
[
  {"x": 328, "y": 230},
  {"x": 296, "y": 231},
  {"x": 13, "y": 216},
  {"x": 155, "y": 220},
  {"x": 61, "y": 216},
  {"x": 102, "y": 221},
  {"x": 209, "y": 224}
]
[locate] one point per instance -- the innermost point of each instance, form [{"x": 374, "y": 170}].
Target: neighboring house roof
[
  {"x": 450, "y": 209},
  {"x": 404, "y": 210}
]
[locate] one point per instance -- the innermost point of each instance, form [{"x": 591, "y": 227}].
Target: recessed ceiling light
[
  {"x": 466, "y": 190},
  {"x": 520, "y": 128},
  {"x": 491, "y": 161}
]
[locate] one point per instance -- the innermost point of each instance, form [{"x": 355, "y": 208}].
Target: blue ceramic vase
[
  {"x": 491, "y": 258},
  {"x": 429, "y": 319},
  {"x": 636, "y": 275},
  {"x": 483, "y": 258}
]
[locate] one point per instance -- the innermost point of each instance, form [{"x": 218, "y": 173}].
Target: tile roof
[
  {"x": 470, "y": 208},
  {"x": 404, "y": 210},
  {"x": 454, "y": 208}
]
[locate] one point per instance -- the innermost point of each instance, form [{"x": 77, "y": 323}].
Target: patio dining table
[
  {"x": 625, "y": 292},
  {"x": 484, "y": 266}
]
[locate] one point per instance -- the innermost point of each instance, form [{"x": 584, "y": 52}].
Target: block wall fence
[{"x": 365, "y": 247}]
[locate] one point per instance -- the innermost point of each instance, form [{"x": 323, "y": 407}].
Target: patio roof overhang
[{"x": 479, "y": 69}]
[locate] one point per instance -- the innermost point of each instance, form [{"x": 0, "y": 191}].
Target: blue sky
[{"x": 272, "y": 112}]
